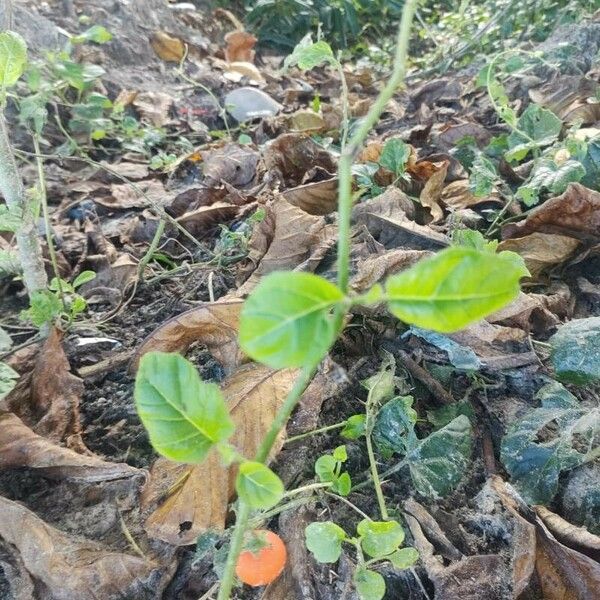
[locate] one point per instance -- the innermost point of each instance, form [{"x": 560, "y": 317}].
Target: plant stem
[
  {"x": 44, "y": 201},
  {"x": 301, "y": 436},
  {"x": 11, "y": 186},
  {"x": 345, "y": 105},
  {"x": 307, "y": 488},
  {"x": 376, "y": 480},
  {"x": 347, "y": 156}
]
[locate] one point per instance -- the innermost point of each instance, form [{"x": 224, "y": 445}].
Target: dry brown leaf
[
  {"x": 317, "y": 198},
  {"x": 167, "y": 47},
  {"x": 233, "y": 163},
  {"x": 47, "y": 397},
  {"x": 291, "y": 155},
  {"x": 214, "y": 325},
  {"x": 432, "y": 192},
  {"x": 450, "y": 135},
  {"x": 200, "y": 219},
  {"x": 124, "y": 196},
  {"x": 457, "y": 195},
  {"x": 286, "y": 238},
  {"x": 21, "y": 447},
  {"x": 575, "y": 213},
  {"x": 68, "y": 568},
  {"x": 541, "y": 251},
  {"x": 236, "y": 71},
  {"x": 371, "y": 152},
  {"x": 154, "y": 107},
  {"x": 306, "y": 121},
  {"x": 240, "y": 47},
  {"x": 254, "y": 394},
  {"x": 130, "y": 170}
]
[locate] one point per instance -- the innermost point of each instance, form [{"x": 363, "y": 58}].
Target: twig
[{"x": 432, "y": 384}]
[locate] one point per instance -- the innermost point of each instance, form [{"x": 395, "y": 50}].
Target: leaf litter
[{"x": 264, "y": 200}]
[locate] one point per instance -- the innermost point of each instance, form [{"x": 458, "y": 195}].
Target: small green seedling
[
  {"x": 376, "y": 542},
  {"x": 328, "y": 469}
]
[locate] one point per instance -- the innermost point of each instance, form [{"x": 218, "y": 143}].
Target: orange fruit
[{"x": 264, "y": 561}]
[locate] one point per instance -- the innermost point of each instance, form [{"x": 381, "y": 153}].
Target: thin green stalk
[
  {"x": 308, "y": 488},
  {"x": 345, "y": 106},
  {"x": 301, "y": 436},
  {"x": 376, "y": 480},
  {"x": 347, "y": 156},
  {"x": 151, "y": 249},
  {"x": 48, "y": 229}
]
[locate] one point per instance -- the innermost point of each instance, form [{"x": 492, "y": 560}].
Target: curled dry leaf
[
  {"x": 318, "y": 198},
  {"x": 457, "y": 195},
  {"x": 201, "y": 218},
  {"x": 47, "y": 395},
  {"x": 194, "y": 498},
  {"x": 233, "y": 164},
  {"x": 167, "y": 47},
  {"x": 240, "y": 47},
  {"x": 432, "y": 192},
  {"x": 70, "y": 568},
  {"x": 124, "y": 196},
  {"x": 154, "y": 107},
  {"x": 542, "y": 251},
  {"x": 21, "y": 447},
  {"x": 562, "y": 572},
  {"x": 286, "y": 238},
  {"x": 575, "y": 213},
  {"x": 213, "y": 324}
]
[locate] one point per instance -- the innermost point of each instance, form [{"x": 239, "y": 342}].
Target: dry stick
[
  {"x": 432, "y": 384},
  {"x": 344, "y": 211}
]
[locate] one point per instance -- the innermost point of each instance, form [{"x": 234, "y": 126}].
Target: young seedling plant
[{"x": 291, "y": 320}]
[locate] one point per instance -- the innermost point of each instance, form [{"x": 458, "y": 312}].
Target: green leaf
[
  {"x": 258, "y": 486},
  {"x": 550, "y": 176},
  {"x": 381, "y": 386},
  {"x": 460, "y": 357},
  {"x": 380, "y": 538},
  {"x": 395, "y": 155},
  {"x": 44, "y": 307},
  {"x": 324, "y": 540},
  {"x": 439, "y": 461},
  {"x": 340, "y": 454},
  {"x": 83, "y": 277},
  {"x": 354, "y": 427},
  {"x": 13, "y": 58},
  {"x": 471, "y": 238},
  {"x": 455, "y": 288},
  {"x": 342, "y": 485},
  {"x": 9, "y": 220},
  {"x": 287, "y": 322},
  {"x": 483, "y": 177},
  {"x": 325, "y": 468},
  {"x": 576, "y": 351},
  {"x": 549, "y": 440},
  {"x": 536, "y": 127},
  {"x": 440, "y": 417},
  {"x": 394, "y": 429},
  {"x": 184, "y": 416},
  {"x": 308, "y": 55},
  {"x": 370, "y": 585},
  {"x": 404, "y": 558},
  {"x": 97, "y": 34},
  {"x": 8, "y": 379}
]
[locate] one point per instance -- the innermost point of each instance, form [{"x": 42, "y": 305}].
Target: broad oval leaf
[
  {"x": 370, "y": 585},
  {"x": 184, "y": 415},
  {"x": 324, "y": 540},
  {"x": 454, "y": 288},
  {"x": 404, "y": 558},
  {"x": 287, "y": 320},
  {"x": 258, "y": 486},
  {"x": 380, "y": 538},
  {"x": 13, "y": 57}
]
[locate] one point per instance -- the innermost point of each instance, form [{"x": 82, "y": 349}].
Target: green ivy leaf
[
  {"x": 308, "y": 55},
  {"x": 324, "y": 541},
  {"x": 13, "y": 58},
  {"x": 258, "y": 486},
  {"x": 394, "y": 429},
  {"x": 370, "y": 585},
  {"x": 483, "y": 177},
  {"x": 185, "y": 417},
  {"x": 439, "y": 461},
  {"x": 535, "y": 463},
  {"x": 404, "y": 558},
  {"x": 287, "y": 322},
  {"x": 455, "y": 288},
  {"x": 541, "y": 128},
  {"x": 380, "y": 538},
  {"x": 354, "y": 427},
  {"x": 548, "y": 175},
  {"x": 576, "y": 351},
  {"x": 394, "y": 156}
]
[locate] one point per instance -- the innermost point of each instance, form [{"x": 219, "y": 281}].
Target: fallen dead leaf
[
  {"x": 233, "y": 163},
  {"x": 457, "y": 195},
  {"x": 306, "y": 121},
  {"x": 317, "y": 198},
  {"x": 130, "y": 170},
  {"x": 542, "y": 251},
  {"x": 575, "y": 213},
  {"x": 167, "y": 47},
  {"x": 285, "y": 239},
  {"x": 202, "y": 492},
  {"x": 21, "y": 447},
  {"x": 154, "y": 107},
  {"x": 70, "y": 568},
  {"x": 240, "y": 47},
  {"x": 236, "y": 71},
  {"x": 47, "y": 397},
  {"x": 214, "y": 325},
  {"x": 432, "y": 192},
  {"x": 201, "y": 218},
  {"x": 124, "y": 196}
]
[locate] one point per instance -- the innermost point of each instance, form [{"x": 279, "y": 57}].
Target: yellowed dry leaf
[
  {"x": 202, "y": 492},
  {"x": 541, "y": 251},
  {"x": 432, "y": 192},
  {"x": 318, "y": 198},
  {"x": 457, "y": 195},
  {"x": 167, "y": 47},
  {"x": 240, "y": 47},
  {"x": 214, "y": 324}
]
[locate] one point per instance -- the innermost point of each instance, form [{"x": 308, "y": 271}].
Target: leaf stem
[{"x": 301, "y": 436}]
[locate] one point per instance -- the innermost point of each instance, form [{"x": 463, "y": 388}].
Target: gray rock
[
  {"x": 581, "y": 498},
  {"x": 247, "y": 103}
]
